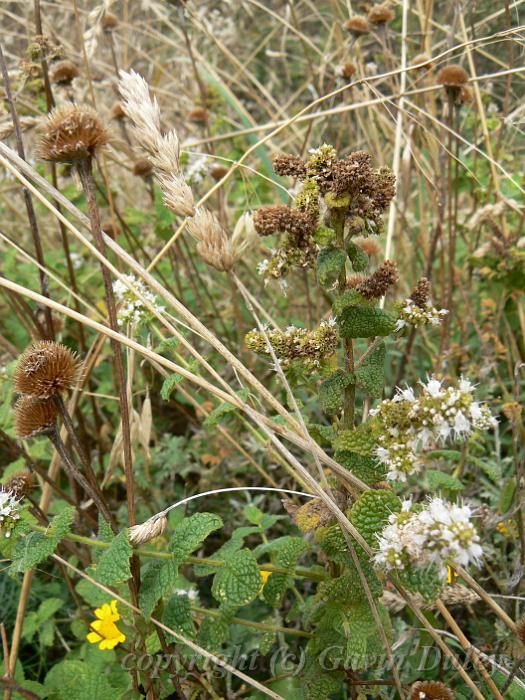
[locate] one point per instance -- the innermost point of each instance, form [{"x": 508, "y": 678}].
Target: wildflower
[
  {"x": 132, "y": 309},
  {"x": 104, "y": 632},
  {"x": 197, "y": 170},
  {"x": 430, "y": 690},
  {"x": 191, "y": 593},
  {"x": 451, "y": 575},
  {"x": 9, "y": 511},
  {"x": 440, "y": 533},
  {"x": 34, "y": 416},
  {"x": 72, "y": 133},
  {"x": 414, "y": 315},
  {"x": 46, "y": 368},
  {"x": 64, "y": 72},
  {"x": 20, "y": 484},
  {"x": 265, "y": 575}
]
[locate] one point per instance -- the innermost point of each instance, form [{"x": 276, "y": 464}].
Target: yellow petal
[
  {"x": 93, "y": 638},
  {"x": 96, "y": 624},
  {"x": 114, "y": 610},
  {"x": 103, "y": 612}
]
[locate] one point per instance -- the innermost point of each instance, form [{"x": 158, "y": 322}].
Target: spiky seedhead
[
  {"x": 377, "y": 284},
  {"x": 34, "y": 416},
  {"x": 430, "y": 690},
  {"x": 421, "y": 294},
  {"x": 381, "y": 14},
  {"x": 357, "y": 26},
  {"x": 452, "y": 76},
  {"x": 289, "y": 165},
  {"x": 72, "y": 133},
  {"x": 45, "y": 369},
  {"x": 64, "y": 72},
  {"x": 142, "y": 168}
]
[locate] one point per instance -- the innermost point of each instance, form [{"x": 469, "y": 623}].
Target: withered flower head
[
  {"x": 64, "y": 72},
  {"x": 452, "y": 76},
  {"x": 46, "y": 368},
  {"x": 347, "y": 70},
  {"x": 357, "y": 26},
  {"x": 283, "y": 219},
  {"x": 142, "y": 168},
  {"x": 108, "y": 22},
  {"x": 117, "y": 111},
  {"x": 376, "y": 285},
  {"x": 288, "y": 165},
  {"x": 381, "y": 14},
  {"x": 20, "y": 484},
  {"x": 34, "y": 416},
  {"x": 199, "y": 115},
  {"x": 419, "y": 60},
  {"x": 421, "y": 294},
  {"x": 218, "y": 171},
  {"x": 72, "y": 133},
  {"x": 154, "y": 527},
  {"x": 430, "y": 690},
  {"x": 368, "y": 245}
]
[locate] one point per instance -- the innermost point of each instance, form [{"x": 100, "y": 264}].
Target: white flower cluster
[
  {"x": 409, "y": 424},
  {"x": 9, "y": 512},
  {"x": 132, "y": 309},
  {"x": 414, "y": 315},
  {"x": 196, "y": 170},
  {"x": 440, "y": 533}
]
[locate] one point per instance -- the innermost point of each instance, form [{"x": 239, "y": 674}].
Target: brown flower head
[
  {"x": 20, "y": 484},
  {"x": 380, "y": 14},
  {"x": 376, "y": 285},
  {"x": 452, "y": 76},
  {"x": 34, "y": 416},
  {"x": 430, "y": 690},
  {"x": 72, "y": 133},
  {"x": 368, "y": 245},
  {"x": 117, "y": 111},
  {"x": 142, "y": 168},
  {"x": 352, "y": 174},
  {"x": 421, "y": 294},
  {"x": 419, "y": 60},
  {"x": 383, "y": 188},
  {"x": 64, "y": 72},
  {"x": 108, "y": 22},
  {"x": 46, "y": 368},
  {"x": 282, "y": 219},
  {"x": 289, "y": 165},
  {"x": 199, "y": 115},
  {"x": 357, "y": 26},
  {"x": 347, "y": 70}
]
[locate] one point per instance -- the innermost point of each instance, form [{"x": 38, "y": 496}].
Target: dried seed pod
[
  {"x": 381, "y": 14},
  {"x": 142, "y": 168},
  {"x": 218, "y": 171},
  {"x": 452, "y": 76},
  {"x": 283, "y": 219},
  {"x": 199, "y": 115},
  {"x": 289, "y": 165},
  {"x": 72, "y": 133},
  {"x": 46, "y": 368},
  {"x": 154, "y": 527},
  {"x": 421, "y": 294},
  {"x": 357, "y": 26},
  {"x": 64, "y": 72},
  {"x": 108, "y": 22},
  {"x": 34, "y": 416},
  {"x": 430, "y": 690},
  {"x": 377, "y": 284}
]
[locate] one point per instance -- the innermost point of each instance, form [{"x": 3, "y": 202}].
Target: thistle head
[
  {"x": 72, "y": 133},
  {"x": 381, "y": 15},
  {"x": 357, "y": 26},
  {"x": 34, "y": 416},
  {"x": 45, "y": 369},
  {"x": 64, "y": 72}
]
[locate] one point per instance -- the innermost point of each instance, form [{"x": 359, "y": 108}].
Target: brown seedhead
[
  {"x": 377, "y": 284},
  {"x": 142, "y": 168},
  {"x": 64, "y": 72},
  {"x": 357, "y": 26},
  {"x": 380, "y": 14},
  {"x": 72, "y": 133},
  {"x": 20, "y": 484},
  {"x": 45, "y": 369},
  {"x": 421, "y": 294},
  {"x": 283, "y": 219},
  {"x": 199, "y": 115},
  {"x": 348, "y": 70},
  {"x": 288, "y": 165},
  {"x": 421, "y": 61},
  {"x": 34, "y": 416},
  {"x": 109, "y": 22},
  {"x": 452, "y": 76},
  {"x": 218, "y": 171},
  {"x": 430, "y": 690}
]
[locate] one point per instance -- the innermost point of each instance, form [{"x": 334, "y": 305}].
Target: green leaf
[
  {"x": 358, "y": 257},
  {"x": 169, "y": 385},
  {"x": 36, "y": 546},
  {"x": 330, "y": 264},
  {"x": 365, "y": 322},
  {"x": 507, "y": 495},
  {"x": 370, "y": 512},
  {"x": 439, "y": 480},
  {"x": 348, "y": 298},
  {"x": 79, "y": 680},
  {"x": 361, "y": 440},
  {"x": 158, "y": 580},
  {"x": 371, "y": 375},
  {"x": 365, "y": 467},
  {"x": 290, "y": 550},
  {"x": 177, "y": 615},
  {"x": 113, "y": 566},
  {"x": 491, "y": 469},
  {"x": 223, "y": 410},
  {"x": 332, "y": 391},
  {"x": 239, "y": 581}
]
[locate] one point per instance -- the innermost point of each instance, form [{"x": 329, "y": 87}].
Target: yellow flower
[
  {"x": 451, "y": 575},
  {"x": 265, "y": 575},
  {"x": 104, "y": 629}
]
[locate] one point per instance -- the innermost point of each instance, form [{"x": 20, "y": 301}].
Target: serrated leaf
[
  {"x": 439, "y": 480},
  {"x": 370, "y": 512},
  {"x": 177, "y": 615},
  {"x": 36, "y": 546},
  {"x": 348, "y": 298},
  {"x": 332, "y": 390},
  {"x": 79, "y": 680},
  {"x": 238, "y": 582},
  {"x": 158, "y": 580},
  {"x": 358, "y": 257},
  {"x": 113, "y": 566},
  {"x": 371, "y": 375},
  {"x": 365, "y": 322},
  {"x": 291, "y": 549},
  {"x": 492, "y": 470},
  {"x": 330, "y": 264},
  {"x": 169, "y": 385},
  {"x": 223, "y": 410}
]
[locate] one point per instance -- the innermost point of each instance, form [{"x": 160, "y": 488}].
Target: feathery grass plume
[
  {"x": 357, "y": 26},
  {"x": 430, "y": 690},
  {"x": 72, "y": 133},
  {"x": 154, "y": 527},
  {"x": 199, "y": 115},
  {"x": 34, "y": 416},
  {"x": 64, "y": 72},
  {"x": 289, "y": 165},
  {"x": 381, "y": 14},
  {"x": 377, "y": 284},
  {"x": 142, "y": 168},
  {"x": 45, "y": 369},
  {"x": 213, "y": 244},
  {"x": 163, "y": 149}
]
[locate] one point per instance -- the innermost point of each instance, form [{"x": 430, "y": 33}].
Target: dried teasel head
[
  {"x": 34, "y": 416},
  {"x": 199, "y": 115},
  {"x": 45, "y": 369},
  {"x": 142, "y": 168},
  {"x": 20, "y": 484},
  {"x": 430, "y": 690},
  {"x": 154, "y": 527},
  {"x": 218, "y": 171},
  {"x": 377, "y": 284},
  {"x": 381, "y": 14},
  {"x": 453, "y": 78},
  {"x": 108, "y": 22},
  {"x": 72, "y": 133},
  {"x": 64, "y": 72},
  {"x": 357, "y": 26}
]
